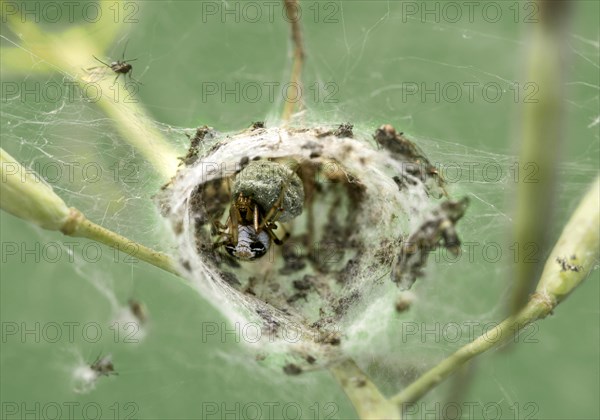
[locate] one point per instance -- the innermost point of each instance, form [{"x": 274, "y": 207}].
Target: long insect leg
[
  {"x": 97, "y": 59},
  {"x": 131, "y": 77},
  {"x": 124, "y": 49}
]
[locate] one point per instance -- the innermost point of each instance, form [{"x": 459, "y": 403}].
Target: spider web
[{"x": 376, "y": 54}]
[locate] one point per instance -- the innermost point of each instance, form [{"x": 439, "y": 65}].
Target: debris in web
[{"x": 355, "y": 218}]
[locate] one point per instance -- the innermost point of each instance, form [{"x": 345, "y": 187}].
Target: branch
[
  {"x": 291, "y": 10},
  {"x": 541, "y": 140},
  {"x": 78, "y": 226},
  {"x": 71, "y": 51},
  {"x": 27, "y": 196},
  {"x": 368, "y": 402},
  {"x": 573, "y": 257}
]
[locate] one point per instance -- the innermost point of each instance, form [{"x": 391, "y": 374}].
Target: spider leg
[
  {"x": 269, "y": 230},
  {"x": 274, "y": 211},
  {"x": 274, "y": 237},
  {"x": 234, "y": 217},
  {"x": 270, "y": 219},
  {"x": 309, "y": 171},
  {"x": 220, "y": 243},
  {"x": 286, "y": 233},
  {"x": 225, "y": 230},
  {"x": 116, "y": 78},
  {"x": 219, "y": 228},
  {"x": 222, "y": 240},
  {"x": 255, "y": 218}
]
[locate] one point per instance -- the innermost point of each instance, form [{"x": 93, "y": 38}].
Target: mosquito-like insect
[
  {"x": 103, "y": 366},
  {"x": 121, "y": 67},
  {"x": 138, "y": 309}
]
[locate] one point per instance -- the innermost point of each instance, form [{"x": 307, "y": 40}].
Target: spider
[
  {"x": 249, "y": 231},
  {"x": 121, "y": 67}
]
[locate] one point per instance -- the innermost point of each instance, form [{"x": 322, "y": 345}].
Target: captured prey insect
[
  {"x": 248, "y": 233},
  {"x": 121, "y": 67},
  {"x": 264, "y": 193}
]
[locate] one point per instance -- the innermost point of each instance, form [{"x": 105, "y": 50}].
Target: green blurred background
[{"x": 362, "y": 56}]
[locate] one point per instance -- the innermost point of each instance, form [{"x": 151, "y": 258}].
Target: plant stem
[
  {"x": 27, "y": 196},
  {"x": 579, "y": 239},
  {"x": 576, "y": 251},
  {"x": 78, "y": 226},
  {"x": 501, "y": 333},
  {"x": 291, "y": 9},
  {"x": 541, "y": 138},
  {"x": 70, "y": 52},
  {"x": 368, "y": 402}
]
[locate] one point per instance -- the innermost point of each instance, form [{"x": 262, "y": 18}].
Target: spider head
[{"x": 245, "y": 206}]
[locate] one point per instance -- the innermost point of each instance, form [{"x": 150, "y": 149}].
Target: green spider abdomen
[{"x": 264, "y": 181}]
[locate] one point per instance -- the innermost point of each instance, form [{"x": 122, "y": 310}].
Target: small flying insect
[
  {"x": 121, "y": 67},
  {"x": 103, "y": 366},
  {"x": 138, "y": 309}
]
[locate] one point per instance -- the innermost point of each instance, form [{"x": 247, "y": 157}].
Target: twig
[
  {"x": 78, "y": 226},
  {"x": 291, "y": 10},
  {"x": 492, "y": 338},
  {"x": 368, "y": 402},
  {"x": 580, "y": 244},
  {"x": 541, "y": 138},
  {"x": 71, "y": 51},
  {"x": 27, "y": 196}
]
